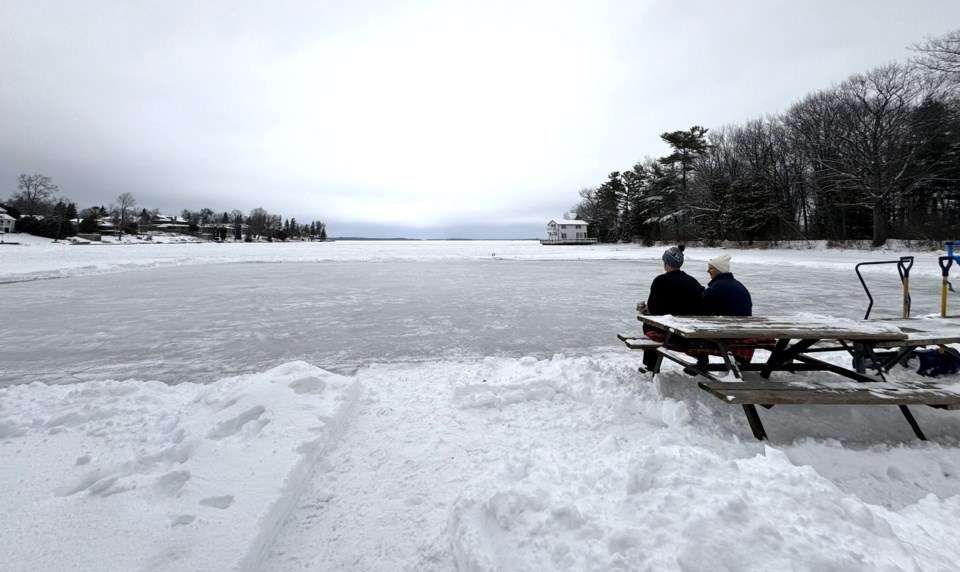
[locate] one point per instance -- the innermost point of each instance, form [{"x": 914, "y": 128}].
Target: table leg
[
  {"x": 913, "y": 423},
  {"x": 825, "y": 366},
  {"x": 897, "y": 358},
  {"x": 755, "y": 424},
  {"x": 783, "y": 353},
  {"x": 866, "y": 351},
  {"x": 730, "y": 363},
  {"x": 659, "y": 360}
]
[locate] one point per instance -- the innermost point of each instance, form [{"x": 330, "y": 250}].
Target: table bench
[{"x": 794, "y": 340}]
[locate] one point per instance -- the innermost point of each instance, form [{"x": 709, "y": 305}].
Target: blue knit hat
[{"x": 673, "y": 257}]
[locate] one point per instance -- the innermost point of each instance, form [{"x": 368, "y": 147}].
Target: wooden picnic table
[{"x": 790, "y": 341}]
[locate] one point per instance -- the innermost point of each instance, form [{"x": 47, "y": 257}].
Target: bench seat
[
  {"x": 940, "y": 395},
  {"x": 640, "y": 342}
]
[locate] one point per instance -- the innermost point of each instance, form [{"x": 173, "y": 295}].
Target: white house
[
  {"x": 567, "y": 232},
  {"x": 7, "y": 222}
]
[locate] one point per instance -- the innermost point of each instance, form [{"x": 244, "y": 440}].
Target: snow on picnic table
[
  {"x": 802, "y": 326},
  {"x": 501, "y": 463}
]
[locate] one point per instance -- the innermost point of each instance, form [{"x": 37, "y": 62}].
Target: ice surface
[{"x": 394, "y": 302}]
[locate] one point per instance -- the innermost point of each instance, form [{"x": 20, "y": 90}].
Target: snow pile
[
  {"x": 138, "y": 475},
  {"x": 672, "y": 506},
  {"x": 632, "y": 485}
]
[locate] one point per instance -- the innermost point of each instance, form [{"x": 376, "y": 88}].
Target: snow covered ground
[{"x": 433, "y": 406}]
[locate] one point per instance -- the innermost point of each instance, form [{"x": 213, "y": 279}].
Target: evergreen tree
[
  {"x": 72, "y": 212},
  {"x": 635, "y": 209},
  {"x": 687, "y": 146},
  {"x": 609, "y": 197}
]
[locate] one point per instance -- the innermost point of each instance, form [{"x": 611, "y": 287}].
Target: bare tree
[
  {"x": 588, "y": 209},
  {"x": 859, "y": 138},
  {"x": 257, "y": 222},
  {"x": 941, "y": 55},
  {"x": 125, "y": 202},
  {"x": 33, "y": 194}
]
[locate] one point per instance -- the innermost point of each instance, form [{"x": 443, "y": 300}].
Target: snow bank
[
  {"x": 635, "y": 486},
  {"x": 138, "y": 475},
  {"x": 671, "y": 506}
]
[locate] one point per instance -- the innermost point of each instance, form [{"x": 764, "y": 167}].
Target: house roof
[
  {"x": 564, "y": 221},
  {"x": 5, "y": 216}
]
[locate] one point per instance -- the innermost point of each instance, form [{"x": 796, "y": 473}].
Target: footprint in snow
[
  {"x": 182, "y": 520},
  {"x": 234, "y": 425},
  {"x": 218, "y": 502}
]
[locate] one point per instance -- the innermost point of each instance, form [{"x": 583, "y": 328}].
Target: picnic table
[{"x": 792, "y": 342}]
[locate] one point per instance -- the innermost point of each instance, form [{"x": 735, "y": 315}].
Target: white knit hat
[{"x": 721, "y": 262}]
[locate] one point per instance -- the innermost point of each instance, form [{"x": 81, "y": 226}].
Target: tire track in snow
[{"x": 382, "y": 495}]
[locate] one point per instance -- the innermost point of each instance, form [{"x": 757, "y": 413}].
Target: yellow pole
[
  {"x": 943, "y": 296},
  {"x": 906, "y": 296}
]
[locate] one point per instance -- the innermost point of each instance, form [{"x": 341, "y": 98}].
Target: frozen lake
[{"x": 376, "y": 304}]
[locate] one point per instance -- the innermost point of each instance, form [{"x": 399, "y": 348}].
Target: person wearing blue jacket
[{"x": 724, "y": 294}]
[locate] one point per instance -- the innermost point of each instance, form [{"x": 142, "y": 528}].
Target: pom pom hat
[
  {"x": 673, "y": 257},
  {"x": 721, "y": 262}
]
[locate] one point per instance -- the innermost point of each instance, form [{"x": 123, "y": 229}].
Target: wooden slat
[
  {"x": 924, "y": 332},
  {"x": 730, "y": 327},
  {"x": 681, "y": 359},
  {"x": 642, "y": 344},
  {"x": 760, "y": 393},
  {"x": 638, "y": 342},
  {"x": 919, "y": 341}
]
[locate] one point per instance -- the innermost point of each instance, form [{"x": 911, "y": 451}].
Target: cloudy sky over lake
[{"x": 422, "y": 118}]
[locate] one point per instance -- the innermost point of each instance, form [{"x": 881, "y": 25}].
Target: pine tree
[{"x": 609, "y": 197}]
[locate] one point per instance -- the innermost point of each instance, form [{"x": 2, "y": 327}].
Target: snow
[
  {"x": 434, "y": 406},
  {"x": 138, "y": 474}
]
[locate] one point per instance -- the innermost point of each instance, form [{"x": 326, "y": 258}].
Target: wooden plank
[
  {"x": 638, "y": 342},
  {"x": 918, "y": 341},
  {"x": 930, "y": 331},
  {"x": 731, "y": 327},
  {"x": 919, "y": 386},
  {"x": 642, "y": 344},
  {"x": 760, "y": 393},
  {"x": 680, "y": 358}
]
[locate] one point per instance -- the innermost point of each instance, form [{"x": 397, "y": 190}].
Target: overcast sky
[{"x": 424, "y": 118}]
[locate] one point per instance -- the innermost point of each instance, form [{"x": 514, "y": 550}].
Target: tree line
[
  {"x": 42, "y": 212},
  {"x": 875, "y": 157}
]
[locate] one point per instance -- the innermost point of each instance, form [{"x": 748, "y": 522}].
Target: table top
[
  {"x": 803, "y": 327},
  {"x": 925, "y": 331}
]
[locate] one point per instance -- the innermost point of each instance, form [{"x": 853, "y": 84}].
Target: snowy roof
[
  {"x": 5, "y": 216},
  {"x": 568, "y": 222}
]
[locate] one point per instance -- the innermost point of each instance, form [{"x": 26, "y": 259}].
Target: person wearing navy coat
[
  {"x": 725, "y": 295},
  {"x": 673, "y": 292}
]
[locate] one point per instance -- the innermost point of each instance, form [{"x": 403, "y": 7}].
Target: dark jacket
[
  {"x": 726, "y": 296},
  {"x": 676, "y": 293}
]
